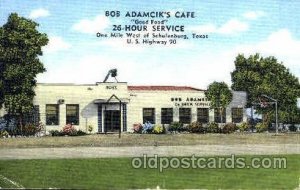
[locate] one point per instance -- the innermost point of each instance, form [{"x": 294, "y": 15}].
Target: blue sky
[{"x": 75, "y": 55}]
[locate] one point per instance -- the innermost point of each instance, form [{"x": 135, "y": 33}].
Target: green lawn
[{"x": 117, "y": 173}]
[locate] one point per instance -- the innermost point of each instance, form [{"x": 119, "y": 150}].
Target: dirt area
[
  {"x": 128, "y": 140},
  {"x": 104, "y": 152}
]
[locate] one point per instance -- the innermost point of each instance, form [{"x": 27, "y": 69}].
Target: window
[
  {"x": 185, "y": 115},
  {"x": 52, "y": 114},
  {"x": 218, "y": 115},
  {"x": 72, "y": 114},
  {"x": 202, "y": 115},
  {"x": 166, "y": 115},
  {"x": 149, "y": 115},
  {"x": 237, "y": 115}
]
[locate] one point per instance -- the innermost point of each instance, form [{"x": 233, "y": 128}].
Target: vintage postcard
[{"x": 149, "y": 94}]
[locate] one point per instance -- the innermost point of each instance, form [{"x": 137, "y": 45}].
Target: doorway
[{"x": 112, "y": 120}]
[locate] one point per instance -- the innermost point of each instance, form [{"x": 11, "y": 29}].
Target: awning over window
[
  {"x": 112, "y": 99},
  {"x": 102, "y": 101}
]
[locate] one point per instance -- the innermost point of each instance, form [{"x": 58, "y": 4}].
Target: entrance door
[{"x": 112, "y": 120}]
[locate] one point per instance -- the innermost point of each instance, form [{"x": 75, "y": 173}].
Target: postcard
[{"x": 149, "y": 94}]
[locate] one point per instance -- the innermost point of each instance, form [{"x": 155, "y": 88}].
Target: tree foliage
[
  {"x": 258, "y": 75},
  {"x": 20, "y": 47},
  {"x": 219, "y": 95}
]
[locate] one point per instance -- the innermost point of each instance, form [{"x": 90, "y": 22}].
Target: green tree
[
  {"x": 258, "y": 75},
  {"x": 20, "y": 47},
  {"x": 219, "y": 95}
]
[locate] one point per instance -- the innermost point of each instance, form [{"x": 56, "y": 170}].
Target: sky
[{"x": 75, "y": 54}]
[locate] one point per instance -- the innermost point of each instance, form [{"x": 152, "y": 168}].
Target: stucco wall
[
  {"x": 162, "y": 99},
  {"x": 158, "y": 100},
  {"x": 86, "y": 95}
]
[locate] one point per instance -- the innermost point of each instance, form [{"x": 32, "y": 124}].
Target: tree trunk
[
  {"x": 8, "y": 118},
  {"x": 221, "y": 114},
  {"x": 21, "y": 123},
  {"x": 266, "y": 119}
]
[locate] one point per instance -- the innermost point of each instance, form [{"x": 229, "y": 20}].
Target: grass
[
  {"x": 111, "y": 140},
  {"x": 117, "y": 173}
]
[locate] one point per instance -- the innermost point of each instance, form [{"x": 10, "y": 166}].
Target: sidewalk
[{"x": 111, "y": 152}]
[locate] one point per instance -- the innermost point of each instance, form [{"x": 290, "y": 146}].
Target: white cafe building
[{"x": 111, "y": 106}]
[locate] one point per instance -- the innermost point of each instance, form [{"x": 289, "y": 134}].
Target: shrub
[
  {"x": 261, "y": 127},
  {"x": 293, "y": 128},
  {"x": 137, "y": 128},
  {"x": 9, "y": 125},
  {"x": 55, "y": 133},
  {"x": 90, "y": 128},
  {"x": 3, "y": 128},
  {"x": 3, "y": 124},
  {"x": 69, "y": 129},
  {"x": 158, "y": 129},
  {"x": 80, "y": 133},
  {"x": 196, "y": 127},
  {"x": 213, "y": 127},
  {"x": 29, "y": 129},
  {"x": 40, "y": 127},
  {"x": 175, "y": 126},
  {"x": 14, "y": 132},
  {"x": 243, "y": 127},
  {"x": 3, "y": 134},
  {"x": 147, "y": 127},
  {"x": 183, "y": 128},
  {"x": 229, "y": 128}
]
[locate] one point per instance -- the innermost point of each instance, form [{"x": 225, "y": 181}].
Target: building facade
[{"x": 109, "y": 107}]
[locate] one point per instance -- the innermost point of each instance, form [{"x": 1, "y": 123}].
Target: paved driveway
[{"x": 105, "y": 152}]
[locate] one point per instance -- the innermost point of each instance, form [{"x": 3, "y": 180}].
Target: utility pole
[{"x": 276, "y": 110}]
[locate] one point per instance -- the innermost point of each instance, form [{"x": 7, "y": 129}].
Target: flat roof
[
  {"x": 75, "y": 84},
  {"x": 133, "y": 87},
  {"x": 163, "y": 88},
  {"x": 137, "y": 87}
]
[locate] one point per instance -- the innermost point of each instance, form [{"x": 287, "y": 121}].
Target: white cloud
[
  {"x": 56, "y": 43},
  {"x": 232, "y": 26},
  {"x": 39, "y": 13},
  {"x": 88, "y": 69},
  {"x": 252, "y": 15},
  {"x": 279, "y": 44},
  {"x": 98, "y": 24},
  {"x": 196, "y": 70},
  {"x": 204, "y": 69}
]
